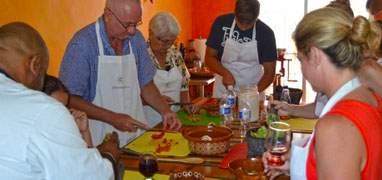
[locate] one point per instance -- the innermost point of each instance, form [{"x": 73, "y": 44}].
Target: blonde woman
[{"x": 347, "y": 140}]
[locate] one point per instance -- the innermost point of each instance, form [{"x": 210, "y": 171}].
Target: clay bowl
[
  {"x": 208, "y": 140},
  {"x": 248, "y": 169}
]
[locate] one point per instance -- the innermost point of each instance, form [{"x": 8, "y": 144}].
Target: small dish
[
  {"x": 252, "y": 168},
  {"x": 187, "y": 175}
]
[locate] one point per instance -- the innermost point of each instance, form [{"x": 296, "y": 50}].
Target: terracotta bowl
[
  {"x": 208, "y": 140},
  {"x": 248, "y": 169},
  {"x": 186, "y": 175}
]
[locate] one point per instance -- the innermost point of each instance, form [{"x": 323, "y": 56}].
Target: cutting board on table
[
  {"x": 203, "y": 119},
  {"x": 145, "y": 143},
  {"x": 301, "y": 125},
  {"x": 130, "y": 175}
]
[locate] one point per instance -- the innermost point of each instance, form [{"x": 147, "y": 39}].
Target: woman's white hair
[{"x": 164, "y": 24}]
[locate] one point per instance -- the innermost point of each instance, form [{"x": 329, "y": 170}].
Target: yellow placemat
[
  {"x": 301, "y": 125},
  {"x": 145, "y": 143},
  {"x": 135, "y": 175}
]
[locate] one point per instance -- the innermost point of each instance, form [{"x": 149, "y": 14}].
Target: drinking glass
[
  {"x": 277, "y": 142},
  {"x": 148, "y": 165},
  {"x": 198, "y": 65}
]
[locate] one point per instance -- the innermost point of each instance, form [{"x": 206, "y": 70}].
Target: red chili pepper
[{"x": 157, "y": 135}]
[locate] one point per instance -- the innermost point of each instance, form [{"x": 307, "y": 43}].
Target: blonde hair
[
  {"x": 164, "y": 24},
  {"x": 335, "y": 32}
]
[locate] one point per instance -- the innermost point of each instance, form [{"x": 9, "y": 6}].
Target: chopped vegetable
[
  {"x": 157, "y": 135},
  {"x": 260, "y": 132}
]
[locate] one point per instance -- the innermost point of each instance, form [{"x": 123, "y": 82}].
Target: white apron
[
  {"x": 300, "y": 149},
  {"x": 321, "y": 100},
  {"x": 117, "y": 90},
  {"x": 242, "y": 60},
  {"x": 169, "y": 84}
]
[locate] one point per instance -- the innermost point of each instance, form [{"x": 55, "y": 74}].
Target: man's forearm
[
  {"x": 152, "y": 97},
  {"x": 213, "y": 62},
  {"x": 269, "y": 74},
  {"x": 91, "y": 110}
]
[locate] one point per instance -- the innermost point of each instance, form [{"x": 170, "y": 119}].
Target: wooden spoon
[{"x": 187, "y": 160}]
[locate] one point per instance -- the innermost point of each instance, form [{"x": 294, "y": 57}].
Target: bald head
[
  {"x": 22, "y": 39},
  {"x": 121, "y": 18},
  {"x": 123, "y": 6},
  {"x": 23, "y": 54}
]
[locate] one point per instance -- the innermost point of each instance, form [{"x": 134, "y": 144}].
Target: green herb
[{"x": 260, "y": 132}]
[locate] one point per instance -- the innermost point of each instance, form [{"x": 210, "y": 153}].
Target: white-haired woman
[{"x": 172, "y": 77}]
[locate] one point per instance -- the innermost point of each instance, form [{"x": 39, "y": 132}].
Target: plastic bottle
[
  {"x": 225, "y": 110},
  {"x": 250, "y": 95},
  {"x": 231, "y": 96},
  {"x": 244, "y": 117},
  {"x": 286, "y": 98}
]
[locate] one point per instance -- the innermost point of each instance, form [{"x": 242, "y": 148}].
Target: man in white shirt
[{"x": 39, "y": 138}]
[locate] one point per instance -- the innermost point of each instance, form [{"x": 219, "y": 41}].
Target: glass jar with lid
[{"x": 249, "y": 96}]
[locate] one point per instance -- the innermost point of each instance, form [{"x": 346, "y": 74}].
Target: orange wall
[
  {"x": 58, "y": 20},
  {"x": 181, "y": 9},
  {"x": 204, "y": 13}
]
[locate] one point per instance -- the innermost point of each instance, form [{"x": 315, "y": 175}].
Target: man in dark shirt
[{"x": 243, "y": 56}]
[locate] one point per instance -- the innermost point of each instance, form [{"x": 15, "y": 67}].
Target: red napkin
[{"x": 238, "y": 151}]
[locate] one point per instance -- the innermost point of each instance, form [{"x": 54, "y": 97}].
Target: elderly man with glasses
[{"x": 107, "y": 63}]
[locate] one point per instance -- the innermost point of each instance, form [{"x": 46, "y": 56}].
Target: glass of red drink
[
  {"x": 148, "y": 165},
  {"x": 277, "y": 142}
]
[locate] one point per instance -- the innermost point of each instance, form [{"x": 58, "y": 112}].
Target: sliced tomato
[{"x": 157, "y": 135}]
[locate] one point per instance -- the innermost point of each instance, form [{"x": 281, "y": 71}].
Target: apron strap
[
  {"x": 232, "y": 29},
  {"x": 130, "y": 48},
  {"x": 254, "y": 32},
  {"x": 99, "y": 40}
]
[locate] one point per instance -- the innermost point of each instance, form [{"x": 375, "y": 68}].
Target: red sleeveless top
[{"x": 368, "y": 120}]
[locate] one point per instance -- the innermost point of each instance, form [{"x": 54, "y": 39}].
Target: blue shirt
[
  {"x": 79, "y": 66},
  {"x": 40, "y": 139}
]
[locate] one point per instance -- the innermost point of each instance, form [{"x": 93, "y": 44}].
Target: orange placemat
[{"x": 145, "y": 143}]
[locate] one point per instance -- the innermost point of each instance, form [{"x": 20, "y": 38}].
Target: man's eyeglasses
[{"x": 125, "y": 25}]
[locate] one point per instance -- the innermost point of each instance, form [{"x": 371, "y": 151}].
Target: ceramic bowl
[
  {"x": 208, "y": 140},
  {"x": 248, "y": 169}
]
